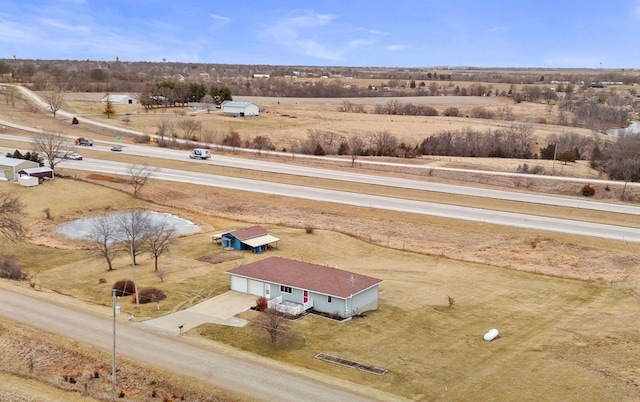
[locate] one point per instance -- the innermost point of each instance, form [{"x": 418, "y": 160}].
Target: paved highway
[
  {"x": 283, "y": 168},
  {"x": 372, "y": 201}
]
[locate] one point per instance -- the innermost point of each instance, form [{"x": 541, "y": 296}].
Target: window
[
  {"x": 285, "y": 289},
  {"x": 328, "y": 299}
]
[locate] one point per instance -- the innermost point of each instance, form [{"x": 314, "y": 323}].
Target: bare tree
[
  {"x": 51, "y": 144},
  {"x": 624, "y": 162},
  {"x": 190, "y": 129},
  {"x": 165, "y": 128},
  {"x": 138, "y": 176},
  {"x": 103, "y": 237},
  {"x": 55, "y": 100},
  {"x": 385, "y": 143},
  {"x": 208, "y": 102},
  {"x": 159, "y": 240},
  {"x": 261, "y": 142},
  {"x": 274, "y": 322},
  {"x": 356, "y": 147},
  {"x": 133, "y": 232},
  {"x": 10, "y": 95},
  {"x": 10, "y": 213}
]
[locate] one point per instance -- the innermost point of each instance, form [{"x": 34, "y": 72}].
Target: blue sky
[{"x": 402, "y": 33}]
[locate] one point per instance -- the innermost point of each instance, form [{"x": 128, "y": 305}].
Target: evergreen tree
[{"x": 109, "y": 110}]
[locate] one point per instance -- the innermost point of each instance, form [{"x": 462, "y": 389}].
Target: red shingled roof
[
  {"x": 303, "y": 275},
  {"x": 249, "y": 233}
]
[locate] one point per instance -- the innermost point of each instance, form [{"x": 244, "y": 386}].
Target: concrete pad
[{"x": 219, "y": 310}]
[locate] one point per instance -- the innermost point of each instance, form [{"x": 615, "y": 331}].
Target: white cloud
[
  {"x": 219, "y": 21},
  {"x": 372, "y": 31},
  {"x": 314, "y": 34},
  {"x": 59, "y": 25},
  {"x": 395, "y": 47}
]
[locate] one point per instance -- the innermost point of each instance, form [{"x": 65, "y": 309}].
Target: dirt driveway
[{"x": 217, "y": 310}]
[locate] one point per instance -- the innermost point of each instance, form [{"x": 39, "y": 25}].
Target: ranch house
[{"x": 295, "y": 286}]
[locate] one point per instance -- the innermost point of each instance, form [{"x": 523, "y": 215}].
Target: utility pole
[
  {"x": 555, "y": 153},
  {"x": 116, "y": 311}
]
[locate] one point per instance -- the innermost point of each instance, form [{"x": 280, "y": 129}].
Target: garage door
[
  {"x": 256, "y": 288},
  {"x": 239, "y": 284}
]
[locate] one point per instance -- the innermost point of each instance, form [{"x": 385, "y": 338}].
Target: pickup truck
[{"x": 84, "y": 142}]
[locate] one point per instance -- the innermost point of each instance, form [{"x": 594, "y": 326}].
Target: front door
[
  {"x": 267, "y": 291},
  {"x": 305, "y": 297}
]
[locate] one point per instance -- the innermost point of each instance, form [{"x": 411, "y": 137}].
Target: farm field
[{"x": 566, "y": 307}]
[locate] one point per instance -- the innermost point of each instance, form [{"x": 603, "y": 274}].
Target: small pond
[
  {"x": 80, "y": 228},
  {"x": 634, "y": 128}
]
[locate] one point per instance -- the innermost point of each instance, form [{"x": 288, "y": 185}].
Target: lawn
[{"x": 559, "y": 339}]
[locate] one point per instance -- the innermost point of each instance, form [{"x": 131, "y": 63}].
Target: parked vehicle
[
  {"x": 67, "y": 155},
  {"x": 200, "y": 153},
  {"x": 116, "y": 148},
  {"x": 84, "y": 142}
]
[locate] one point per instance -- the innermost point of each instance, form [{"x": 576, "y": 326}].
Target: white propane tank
[{"x": 491, "y": 335}]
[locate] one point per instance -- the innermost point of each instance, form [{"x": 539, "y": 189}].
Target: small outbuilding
[
  {"x": 294, "y": 286},
  {"x": 255, "y": 238},
  {"x": 41, "y": 172},
  {"x": 9, "y": 167},
  {"x": 120, "y": 99},
  {"x": 242, "y": 109}
]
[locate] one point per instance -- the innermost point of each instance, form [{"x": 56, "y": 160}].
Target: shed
[
  {"x": 41, "y": 172},
  {"x": 9, "y": 167},
  {"x": 255, "y": 238},
  {"x": 120, "y": 99},
  {"x": 28, "y": 181},
  {"x": 308, "y": 286},
  {"x": 243, "y": 109}
]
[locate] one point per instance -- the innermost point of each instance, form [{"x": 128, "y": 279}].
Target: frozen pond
[
  {"x": 634, "y": 128},
  {"x": 80, "y": 228}
]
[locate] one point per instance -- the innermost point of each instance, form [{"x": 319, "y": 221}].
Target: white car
[{"x": 74, "y": 156}]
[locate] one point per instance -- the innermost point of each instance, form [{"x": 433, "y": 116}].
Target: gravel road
[{"x": 256, "y": 378}]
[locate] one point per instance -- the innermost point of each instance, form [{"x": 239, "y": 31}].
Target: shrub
[
  {"x": 124, "y": 287},
  {"x": 452, "y": 111},
  {"x": 451, "y": 301},
  {"x": 308, "y": 228},
  {"x": 148, "y": 295},
  {"x": 261, "y": 304},
  {"x": 588, "y": 191},
  {"x": 10, "y": 269}
]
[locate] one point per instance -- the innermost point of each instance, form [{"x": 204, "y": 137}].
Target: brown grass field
[{"x": 566, "y": 306}]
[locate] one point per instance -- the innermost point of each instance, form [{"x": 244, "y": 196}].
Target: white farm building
[
  {"x": 243, "y": 109},
  {"x": 120, "y": 99}
]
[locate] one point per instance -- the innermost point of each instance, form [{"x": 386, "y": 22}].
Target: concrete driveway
[{"x": 217, "y": 310}]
